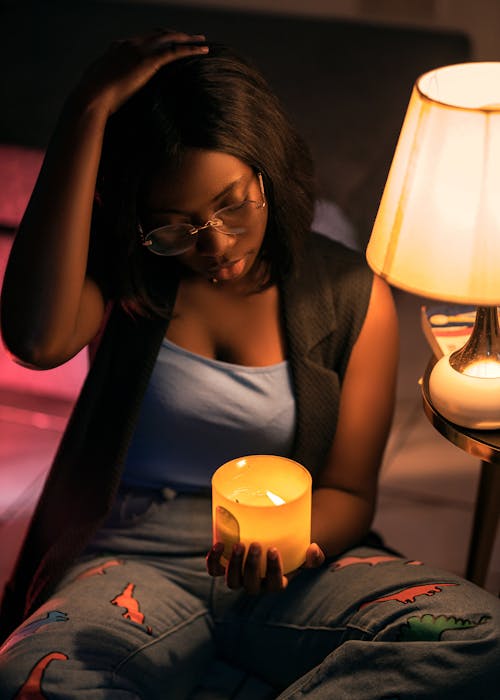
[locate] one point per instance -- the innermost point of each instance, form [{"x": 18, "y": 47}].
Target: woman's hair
[{"x": 215, "y": 102}]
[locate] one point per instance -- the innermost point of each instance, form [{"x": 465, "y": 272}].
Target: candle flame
[{"x": 277, "y": 500}]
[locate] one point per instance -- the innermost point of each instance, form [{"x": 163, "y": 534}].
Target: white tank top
[{"x": 198, "y": 413}]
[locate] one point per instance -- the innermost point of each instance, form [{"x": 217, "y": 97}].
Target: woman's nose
[{"x": 212, "y": 242}]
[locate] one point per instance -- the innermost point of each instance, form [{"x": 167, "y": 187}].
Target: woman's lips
[{"x": 228, "y": 271}]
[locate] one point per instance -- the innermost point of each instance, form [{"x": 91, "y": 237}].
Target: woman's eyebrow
[{"x": 218, "y": 196}]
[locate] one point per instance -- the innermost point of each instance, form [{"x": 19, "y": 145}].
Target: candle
[{"x": 265, "y": 499}]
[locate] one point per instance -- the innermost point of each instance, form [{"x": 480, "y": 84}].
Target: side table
[{"x": 484, "y": 444}]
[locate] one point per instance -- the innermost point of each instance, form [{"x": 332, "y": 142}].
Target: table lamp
[{"x": 437, "y": 230}]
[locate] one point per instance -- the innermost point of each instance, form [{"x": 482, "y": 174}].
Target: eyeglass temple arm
[
  {"x": 144, "y": 242},
  {"x": 261, "y": 184}
]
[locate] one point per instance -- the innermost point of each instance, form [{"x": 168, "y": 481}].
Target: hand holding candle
[{"x": 263, "y": 499}]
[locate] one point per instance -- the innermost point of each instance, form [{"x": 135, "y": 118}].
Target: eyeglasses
[{"x": 174, "y": 239}]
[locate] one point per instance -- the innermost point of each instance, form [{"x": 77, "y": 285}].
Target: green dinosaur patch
[{"x": 429, "y": 628}]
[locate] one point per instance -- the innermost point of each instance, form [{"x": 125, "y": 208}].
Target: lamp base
[{"x": 471, "y": 402}]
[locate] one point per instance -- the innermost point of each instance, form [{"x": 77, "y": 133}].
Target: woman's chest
[{"x": 245, "y": 330}]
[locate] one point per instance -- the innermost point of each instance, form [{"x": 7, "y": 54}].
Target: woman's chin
[{"x": 229, "y": 273}]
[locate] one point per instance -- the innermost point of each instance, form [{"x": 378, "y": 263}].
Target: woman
[{"x": 169, "y": 229}]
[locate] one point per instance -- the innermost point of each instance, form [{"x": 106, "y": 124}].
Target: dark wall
[{"x": 345, "y": 85}]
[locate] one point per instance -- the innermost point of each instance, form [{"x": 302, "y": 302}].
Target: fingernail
[
  {"x": 254, "y": 549},
  {"x": 273, "y": 553}
]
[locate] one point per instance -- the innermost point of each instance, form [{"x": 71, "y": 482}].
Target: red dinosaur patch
[
  {"x": 408, "y": 595},
  {"x": 32, "y": 687},
  {"x": 99, "y": 570},
  {"x": 371, "y": 561},
  {"x": 132, "y": 609}
]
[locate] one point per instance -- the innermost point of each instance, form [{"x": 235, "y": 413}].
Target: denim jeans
[{"x": 138, "y": 617}]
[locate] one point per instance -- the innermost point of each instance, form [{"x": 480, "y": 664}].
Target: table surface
[{"x": 484, "y": 444}]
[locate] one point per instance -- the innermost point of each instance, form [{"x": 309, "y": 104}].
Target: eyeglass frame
[{"x": 213, "y": 222}]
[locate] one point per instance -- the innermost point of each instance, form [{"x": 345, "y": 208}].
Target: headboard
[{"x": 345, "y": 85}]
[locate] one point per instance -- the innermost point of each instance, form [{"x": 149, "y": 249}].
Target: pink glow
[
  {"x": 63, "y": 382},
  {"x": 19, "y": 168}
]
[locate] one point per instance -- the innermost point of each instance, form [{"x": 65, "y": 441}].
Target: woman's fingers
[
  {"x": 314, "y": 556},
  {"x": 158, "y": 35},
  {"x": 129, "y": 64},
  {"x": 274, "y": 581},
  {"x": 214, "y": 566},
  {"x": 234, "y": 571},
  {"x": 251, "y": 570},
  {"x": 244, "y": 572},
  {"x": 161, "y": 48},
  {"x": 177, "y": 43}
]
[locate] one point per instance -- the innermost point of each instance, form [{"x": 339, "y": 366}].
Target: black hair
[{"x": 219, "y": 102}]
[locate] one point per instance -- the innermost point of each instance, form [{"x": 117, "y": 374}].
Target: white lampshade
[{"x": 437, "y": 231}]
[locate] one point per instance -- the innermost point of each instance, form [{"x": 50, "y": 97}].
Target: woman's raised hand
[
  {"x": 47, "y": 318},
  {"x": 128, "y": 64},
  {"x": 245, "y": 573}
]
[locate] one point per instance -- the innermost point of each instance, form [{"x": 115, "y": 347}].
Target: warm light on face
[{"x": 265, "y": 499}]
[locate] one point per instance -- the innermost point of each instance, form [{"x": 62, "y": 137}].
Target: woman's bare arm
[
  {"x": 50, "y": 308},
  {"x": 344, "y": 501}
]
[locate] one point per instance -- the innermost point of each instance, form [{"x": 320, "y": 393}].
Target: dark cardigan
[{"x": 323, "y": 308}]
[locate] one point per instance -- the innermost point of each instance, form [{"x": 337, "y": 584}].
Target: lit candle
[{"x": 265, "y": 499}]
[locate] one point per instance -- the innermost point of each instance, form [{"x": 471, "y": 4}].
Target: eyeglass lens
[
  {"x": 234, "y": 220},
  {"x": 172, "y": 240}
]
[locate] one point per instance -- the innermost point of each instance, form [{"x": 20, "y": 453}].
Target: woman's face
[{"x": 206, "y": 182}]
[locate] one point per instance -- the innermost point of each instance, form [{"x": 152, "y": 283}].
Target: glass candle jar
[{"x": 264, "y": 499}]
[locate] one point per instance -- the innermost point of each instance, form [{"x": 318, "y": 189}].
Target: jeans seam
[
  {"x": 170, "y": 631},
  {"x": 311, "y": 628}
]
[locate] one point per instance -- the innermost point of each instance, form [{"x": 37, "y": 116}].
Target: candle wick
[{"x": 277, "y": 500}]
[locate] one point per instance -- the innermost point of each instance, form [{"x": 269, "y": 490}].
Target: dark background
[{"x": 346, "y": 85}]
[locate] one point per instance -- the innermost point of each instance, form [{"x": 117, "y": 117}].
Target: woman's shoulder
[
  {"x": 333, "y": 250},
  {"x": 336, "y": 263},
  {"x": 330, "y": 292},
  {"x": 330, "y": 281}
]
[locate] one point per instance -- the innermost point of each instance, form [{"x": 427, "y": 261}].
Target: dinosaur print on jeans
[
  {"x": 408, "y": 595},
  {"x": 32, "y": 687},
  {"x": 132, "y": 608},
  {"x": 100, "y": 569},
  {"x": 429, "y": 628},
  {"x": 31, "y": 627}
]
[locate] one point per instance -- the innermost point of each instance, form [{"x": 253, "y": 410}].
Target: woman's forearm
[
  {"x": 49, "y": 308},
  {"x": 44, "y": 280},
  {"x": 339, "y": 519}
]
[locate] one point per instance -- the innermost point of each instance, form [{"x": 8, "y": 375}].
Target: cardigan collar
[{"x": 308, "y": 307}]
